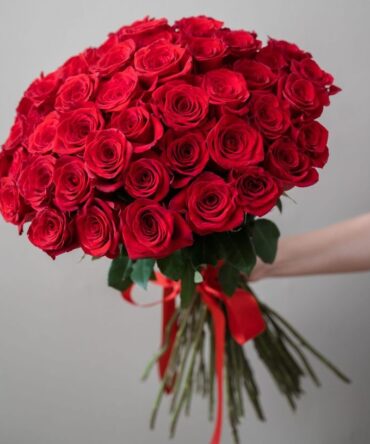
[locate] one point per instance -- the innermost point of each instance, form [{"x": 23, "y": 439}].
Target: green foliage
[
  {"x": 187, "y": 284},
  {"x": 119, "y": 272},
  {"x": 239, "y": 251},
  {"x": 265, "y": 239},
  {"x": 173, "y": 265},
  {"x": 141, "y": 272},
  {"x": 229, "y": 278}
]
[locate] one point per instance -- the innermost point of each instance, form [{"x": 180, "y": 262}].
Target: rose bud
[
  {"x": 200, "y": 26},
  {"x": 36, "y": 180},
  {"x": 186, "y": 155},
  {"x": 257, "y": 75},
  {"x": 257, "y": 190},
  {"x": 208, "y": 52},
  {"x": 107, "y": 155},
  {"x": 72, "y": 184},
  {"x": 147, "y": 178},
  {"x": 233, "y": 143},
  {"x": 289, "y": 165},
  {"x": 181, "y": 106},
  {"x": 240, "y": 42},
  {"x": 139, "y": 126},
  {"x": 51, "y": 231},
  {"x": 209, "y": 205},
  {"x": 97, "y": 228},
  {"x": 312, "y": 139},
  {"x": 151, "y": 230}
]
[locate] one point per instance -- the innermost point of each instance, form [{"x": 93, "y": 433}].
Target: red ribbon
[{"x": 244, "y": 321}]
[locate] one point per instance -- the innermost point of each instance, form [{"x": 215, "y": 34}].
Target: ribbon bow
[{"x": 244, "y": 320}]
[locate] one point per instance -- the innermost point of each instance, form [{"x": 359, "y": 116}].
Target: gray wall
[{"x": 72, "y": 351}]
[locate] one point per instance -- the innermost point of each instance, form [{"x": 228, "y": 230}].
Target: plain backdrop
[{"x": 71, "y": 351}]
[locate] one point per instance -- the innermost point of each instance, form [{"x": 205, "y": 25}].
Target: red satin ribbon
[{"x": 244, "y": 318}]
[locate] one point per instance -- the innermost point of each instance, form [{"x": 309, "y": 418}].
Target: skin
[{"x": 340, "y": 248}]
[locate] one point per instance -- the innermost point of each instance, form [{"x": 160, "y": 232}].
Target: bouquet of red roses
[{"x": 163, "y": 149}]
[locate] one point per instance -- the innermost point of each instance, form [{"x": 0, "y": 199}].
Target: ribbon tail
[
  {"x": 168, "y": 311},
  {"x": 218, "y": 319}
]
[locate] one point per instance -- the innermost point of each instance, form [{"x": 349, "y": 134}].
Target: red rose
[
  {"x": 148, "y": 178},
  {"x": 107, "y": 154},
  {"x": 209, "y": 204},
  {"x": 97, "y": 229},
  {"x": 240, "y": 42},
  {"x": 233, "y": 143},
  {"x": 290, "y": 51},
  {"x": 43, "y": 89},
  {"x": 5, "y": 162},
  {"x": 208, "y": 51},
  {"x": 310, "y": 70},
  {"x": 140, "y": 127},
  {"x": 17, "y": 162},
  {"x": 113, "y": 58},
  {"x": 72, "y": 184},
  {"x": 225, "y": 87},
  {"x": 181, "y": 106},
  {"x": 257, "y": 75},
  {"x": 16, "y": 134},
  {"x": 42, "y": 140},
  {"x": 52, "y": 232},
  {"x": 200, "y": 26},
  {"x": 302, "y": 95},
  {"x": 186, "y": 155},
  {"x": 12, "y": 206},
  {"x": 312, "y": 139},
  {"x": 151, "y": 231},
  {"x": 115, "y": 94},
  {"x": 289, "y": 165},
  {"x": 36, "y": 180},
  {"x": 163, "y": 60},
  {"x": 74, "y": 128},
  {"x": 257, "y": 190},
  {"x": 146, "y": 31},
  {"x": 73, "y": 66},
  {"x": 75, "y": 92},
  {"x": 269, "y": 115}
]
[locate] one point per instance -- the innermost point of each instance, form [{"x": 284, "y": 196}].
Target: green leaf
[
  {"x": 229, "y": 277},
  {"x": 265, "y": 239},
  {"x": 172, "y": 266},
  {"x": 279, "y": 204},
  {"x": 206, "y": 250},
  {"x": 239, "y": 250},
  {"x": 187, "y": 284},
  {"x": 119, "y": 273},
  {"x": 141, "y": 272}
]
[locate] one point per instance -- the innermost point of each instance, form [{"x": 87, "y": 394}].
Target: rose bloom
[
  {"x": 181, "y": 106},
  {"x": 257, "y": 190},
  {"x": 302, "y": 95},
  {"x": 12, "y": 206},
  {"x": 18, "y": 161},
  {"x": 42, "y": 140},
  {"x": 43, "y": 89},
  {"x": 163, "y": 60},
  {"x": 289, "y": 165},
  {"x": 147, "y": 178},
  {"x": 270, "y": 115},
  {"x": 209, "y": 52},
  {"x": 200, "y": 26},
  {"x": 186, "y": 155},
  {"x": 74, "y": 128},
  {"x": 72, "y": 184},
  {"x": 209, "y": 205},
  {"x": 75, "y": 92},
  {"x": 113, "y": 58},
  {"x": 74, "y": 65},
  {"x": 233, "y": 143},
  {"x": 240, "y": 42},
  {"x": 145, "y": 31},
  {"x": 97, "y": 229},
  {"x": 224, "y": 86},
  {"x": 312, "y": 139},
  {"x": 151, "y": 231},
  {"x": 51, "y": 231},
  {"x": 107, "y": 155},
  {"x": 257, "y": 75},
  {"x": 16, "y": 134},
  {"x": 310, "y": 70},
  {"x": 115, "y": 94},
  {"x": 139, "y": 126},
  {"x": 36, "y": 180}
]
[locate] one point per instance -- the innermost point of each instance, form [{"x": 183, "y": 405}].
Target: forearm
[{"x": 339, "y": 248}]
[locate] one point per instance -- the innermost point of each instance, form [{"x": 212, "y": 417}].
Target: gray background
[{"x": 72, "y": 351}]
